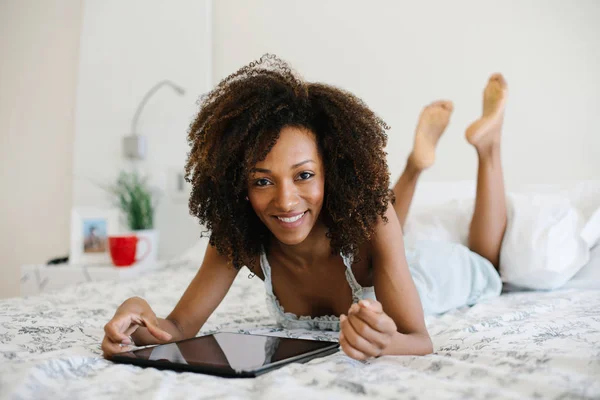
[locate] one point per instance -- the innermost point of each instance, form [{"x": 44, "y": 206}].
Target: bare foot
[
  {"x": 432, "y": 123},
  {"x": 485, "y": 132}
]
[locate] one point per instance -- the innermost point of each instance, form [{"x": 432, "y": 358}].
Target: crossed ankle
[{"x": 413, "y": 168}]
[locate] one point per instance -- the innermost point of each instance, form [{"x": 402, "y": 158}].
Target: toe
[
  {"x": 499, "y": 79},
  {"x": 445, "y": 104}
]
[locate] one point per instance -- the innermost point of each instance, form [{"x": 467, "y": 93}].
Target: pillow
[
  {"x": 588, "y": 277},
  {"x": 542, "y": 247},
  {"x": 448, "y": 222},
  {"x": 591, "y": 230}
]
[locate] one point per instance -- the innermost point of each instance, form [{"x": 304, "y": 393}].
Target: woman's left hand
[{"x": 366, "y": 331}]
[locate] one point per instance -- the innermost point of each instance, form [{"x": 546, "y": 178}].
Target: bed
[
  {"x": 519, "y": 345},
  {"x": 522, "y": 345}
]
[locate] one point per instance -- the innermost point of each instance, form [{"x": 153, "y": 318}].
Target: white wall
[
  {"x": 39, "y": 45},
  {"x": 401, "y": 55},
  {"x": 126, "y": 48}
]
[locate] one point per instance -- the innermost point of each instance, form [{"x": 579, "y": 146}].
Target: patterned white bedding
[{"x": 520, "y": 345}]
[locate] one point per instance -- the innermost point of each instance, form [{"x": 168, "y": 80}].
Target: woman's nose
[{"x": 286, "y": 198}]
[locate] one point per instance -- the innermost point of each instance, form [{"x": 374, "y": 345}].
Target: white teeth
[{"x": 293, "y": 219}]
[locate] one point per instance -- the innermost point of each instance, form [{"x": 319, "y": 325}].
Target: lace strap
[
  {"x": 354, "y": 285},
  {"x": 266, "y": 269}
]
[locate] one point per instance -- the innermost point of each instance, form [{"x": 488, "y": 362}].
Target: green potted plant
[{"x": 137, "y": 202}]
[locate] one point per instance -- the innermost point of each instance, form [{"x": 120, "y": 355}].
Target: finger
[
  {"x": 381, "y": 322},
  {"x": 357, "y": 341},
  {"x": 372, "y": 305},
  {"x": 351, "y": 351},
  {"x": 376, "y": 338},
  {"x": 128, "y": 341},
  {"x": 116, "y": 327},
  {"x": 110, "y": 348},
  {"x": 152, "y": 325},
  {"x": 132, "y": 328}
]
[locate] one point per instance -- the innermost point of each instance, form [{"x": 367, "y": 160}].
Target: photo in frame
[{"x": 90, "y": 228}]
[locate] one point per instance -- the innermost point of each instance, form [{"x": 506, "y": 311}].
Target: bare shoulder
[
  {"x": 385, "y": 244},
  {"x": 387, "y": 236},
  {"x": 213, "y": 260}
]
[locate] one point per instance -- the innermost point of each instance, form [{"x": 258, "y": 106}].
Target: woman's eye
[
  {"x": 262, "y": 182},
  {"x": 305, "y": 175}
]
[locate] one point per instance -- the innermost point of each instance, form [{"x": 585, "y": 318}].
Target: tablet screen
[{"x": 231, "y": 351}]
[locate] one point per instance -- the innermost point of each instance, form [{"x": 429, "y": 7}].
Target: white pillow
[
  {"x": 542, "y": 247},
  {"x": 448, "y": 222},
  {"x": 591, "y": 230},
  {"x": 588, "y": 277}
]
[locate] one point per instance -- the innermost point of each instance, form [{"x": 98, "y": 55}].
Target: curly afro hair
[{"x": 240, "y": 121}]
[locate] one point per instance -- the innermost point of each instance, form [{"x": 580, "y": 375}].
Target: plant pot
[{"x": 152, "y": 235}]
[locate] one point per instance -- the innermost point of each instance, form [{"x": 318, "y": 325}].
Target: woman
[{"x": 291, "y": 180}]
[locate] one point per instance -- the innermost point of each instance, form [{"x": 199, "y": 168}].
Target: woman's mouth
[{"x": 291, "y": 221}]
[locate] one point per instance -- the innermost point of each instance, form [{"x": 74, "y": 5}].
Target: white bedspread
[{"x": 521, "y": 345}]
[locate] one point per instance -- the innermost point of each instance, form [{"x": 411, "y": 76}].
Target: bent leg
[
  {"x": 489, "y": 217},
  {"x": 404, "y": 191},
  {"x": 432, "y": 123}
]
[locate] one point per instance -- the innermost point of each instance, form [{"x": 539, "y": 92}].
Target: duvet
[{"x": 519, "y": 345}]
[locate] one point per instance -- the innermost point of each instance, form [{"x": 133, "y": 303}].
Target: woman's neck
[{"x": 315, "y": 247}]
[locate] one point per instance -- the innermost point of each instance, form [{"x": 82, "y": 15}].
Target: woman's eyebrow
[
  {"x": 267, "y": 171},
  {"x": 301, "y": 163}
]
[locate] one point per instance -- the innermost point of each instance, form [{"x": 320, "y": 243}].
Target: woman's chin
[{"x": 290, "y": 239}]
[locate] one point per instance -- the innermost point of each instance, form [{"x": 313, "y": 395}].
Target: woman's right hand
[{"x": 130, "y": 315}]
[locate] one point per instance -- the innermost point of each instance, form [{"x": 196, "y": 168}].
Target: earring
[{"x": 247, "y": 199}]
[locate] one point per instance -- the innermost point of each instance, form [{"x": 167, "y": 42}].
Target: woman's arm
[
  {"x": 395, "y": 289},
  {"x": 201, "y": 298},
  {"x": 393, "y": 325}
]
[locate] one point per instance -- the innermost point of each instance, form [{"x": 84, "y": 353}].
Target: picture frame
[{"x": 90, "y": 228}]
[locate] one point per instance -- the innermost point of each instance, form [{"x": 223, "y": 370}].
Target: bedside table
[{"x": 40, "y": 278}]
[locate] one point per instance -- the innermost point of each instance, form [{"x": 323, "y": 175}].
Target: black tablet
[{"x": 228, "y": 354}]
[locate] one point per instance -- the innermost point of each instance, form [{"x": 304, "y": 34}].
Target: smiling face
[{"x": 287, "y": 188}]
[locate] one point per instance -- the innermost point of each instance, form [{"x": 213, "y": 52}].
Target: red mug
[{"x": 123, "y": 249}]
